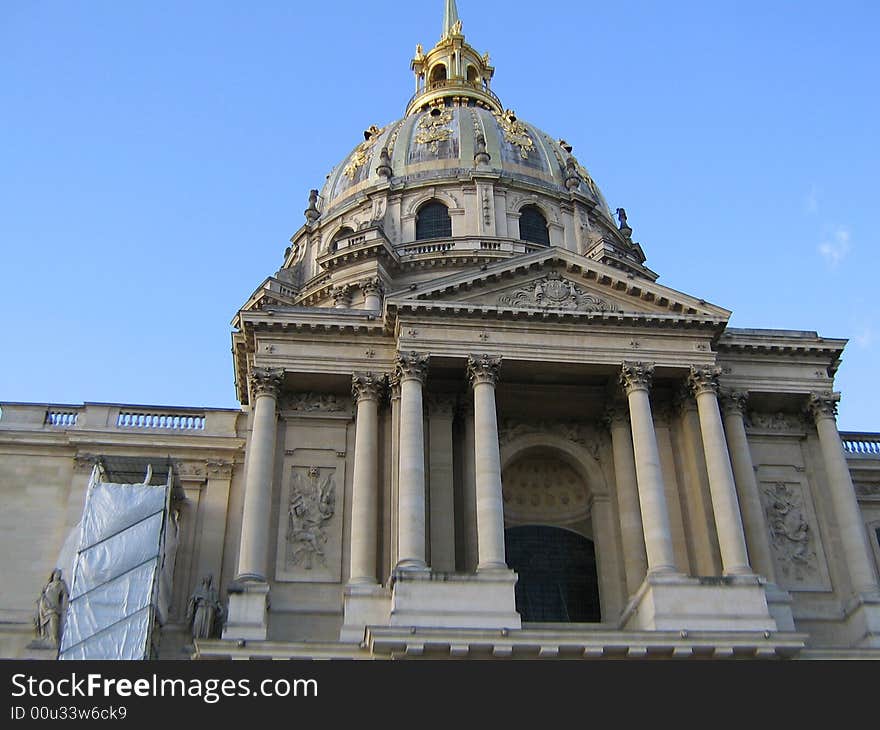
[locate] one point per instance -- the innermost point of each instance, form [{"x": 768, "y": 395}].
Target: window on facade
[
  {"x": 471, "y": 74},
  {"x": 533, "y": 226},
  {"x": 343, "y": 232},
  {"x": 433, "y": 221},
  {"x": 558, "y": 580}
]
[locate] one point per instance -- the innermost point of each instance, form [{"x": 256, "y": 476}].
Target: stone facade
[{"x": 412, "y": 399}]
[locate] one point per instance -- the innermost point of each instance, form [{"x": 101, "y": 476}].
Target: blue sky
[{"x": 156, "y": 157}]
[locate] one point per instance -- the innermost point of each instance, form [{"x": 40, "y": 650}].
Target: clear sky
[{"x": 155, "y": 158}]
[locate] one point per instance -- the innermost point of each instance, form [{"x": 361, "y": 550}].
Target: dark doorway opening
[{"x": 558, "y": 580}]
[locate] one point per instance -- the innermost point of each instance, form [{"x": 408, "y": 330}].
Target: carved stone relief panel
[
  {"x": 310, "y": 515},
  {"x": 794, "y": 536},
  {"x": 542, "y": 489}
]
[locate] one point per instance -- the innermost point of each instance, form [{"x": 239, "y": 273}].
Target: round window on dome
[{"x": 533, "y": 226}]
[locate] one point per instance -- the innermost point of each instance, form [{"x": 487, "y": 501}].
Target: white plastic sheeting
[{"x": 114, "y": 594}]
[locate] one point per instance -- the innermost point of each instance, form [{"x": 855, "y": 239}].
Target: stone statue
[
  {"x": 312, "y": 213},
  {"x": 621, "y": 216},
  {"x": 456, "y": 28},
  {"x": 50, "y": 609},
  {"x": 420, "y": 53},
  {"x": 203, "y": 613},
  {"x": 486, "y": 58}
]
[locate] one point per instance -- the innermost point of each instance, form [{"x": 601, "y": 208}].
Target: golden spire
[{"x": 451, "y": 22}]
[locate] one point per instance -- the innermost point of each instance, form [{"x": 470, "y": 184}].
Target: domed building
[{"x": 474, "y": 425}]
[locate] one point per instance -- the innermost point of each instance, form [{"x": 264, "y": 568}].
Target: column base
[
  {"x": 452, "y": 600},
  {"x": 676, "y": 602},
  {"x": 863, "y": 621},
  {"x": 248, "y": 613},
  {"x": 366, "y": 604}
]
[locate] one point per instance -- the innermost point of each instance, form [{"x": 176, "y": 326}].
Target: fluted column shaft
[
  {"x": 635, "y": 560},
  {"x": 636, "y": 379},
  {"x": 411, "y": 370},
  {"x": 366, "y": 389},
  {"x": 722, "y": 488},
  {"x": 254, "y": 543},
  {"x": 483, "y": 374},
  {"x": 850, "y": 524},
  {"x": 754, "y": 521}
]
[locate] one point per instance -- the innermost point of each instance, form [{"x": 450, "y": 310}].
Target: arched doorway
[{"x": 558, "y": 580}]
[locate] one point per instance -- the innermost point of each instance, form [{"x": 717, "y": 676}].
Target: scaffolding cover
[{"x": 117, "y": 574}]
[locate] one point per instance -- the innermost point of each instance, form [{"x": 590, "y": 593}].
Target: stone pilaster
[
  {"x": 441, "y": 483},
  {"x": 728, "y": 522},
  {"x": 412, "y": 371},
  {"x": 850, "y": 525},
  {"x": 733, "y": 405},
  {"x": 635, "y": 560},
  {"x": 249, "y": 596},
  {"x": 367, "y": 389},
  {"x": 483, "y": 371},
  {"x": 252, "y": 558},
  {"x": 636, "y": 379}
]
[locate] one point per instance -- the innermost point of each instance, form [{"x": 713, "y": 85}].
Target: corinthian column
[
  {"x": 722, "y": 488},
  {"x": 627, "y": 490},
  {"x": 412, "y": 369},
  {"x": 636, "y": 377},
  {"x": 733, "y": 405},
  {"x": 483, "y": 374},
  {"x": 372, "y": 289},
  {"x": 366, "y": 389},
  {"x": 252, "y": 555},
  {"x": 850, "y": 525}
]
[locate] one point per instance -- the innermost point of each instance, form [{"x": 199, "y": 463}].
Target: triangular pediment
[{"x": 559, "y": 280}]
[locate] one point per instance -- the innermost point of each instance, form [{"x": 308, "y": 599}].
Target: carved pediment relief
[
  {"x": 559, "y": 280},
  {"x": 553, "y": 291}
]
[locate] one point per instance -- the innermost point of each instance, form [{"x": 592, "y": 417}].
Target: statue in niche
[
  {"x": 50, "y": 610},
  {"x": 312, "y": 505},
  {"x": 204, "y": 611}
]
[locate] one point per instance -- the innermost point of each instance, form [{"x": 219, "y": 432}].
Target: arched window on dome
[
  {"x": 343, "y": 232},
  {"x": 433, "y": 221},
  {"x": 472, "y": 75},
  {"x": 438, "y": 73},
  {"x": 533, "y": 226}
]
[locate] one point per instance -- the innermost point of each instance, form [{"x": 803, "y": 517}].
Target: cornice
[
  {"x": 658, "y": 320},
  {"x": 778, "y": 342}
]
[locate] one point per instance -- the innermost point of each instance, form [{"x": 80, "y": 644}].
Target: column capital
[
  {"x": 367, "y": 386},
  {"x": 219, "y": 468},
  {"x": 616, "y": 414},
  {"x": 734, "y": 401},
  {"x": 341, "y": 295},
  {"x": 823, "y": 405},
  {"x": 266, "y": 381},
  {"x": 483, "y": 369},
  {"x": 636, "y": 376},
  {"x": 394, "y": 387},
  {"x": 704, "y": 379},
  {"x": 412, "y": 366},
  {"x": 372, "y": 285},
  {"x": 84, "y": 463}
]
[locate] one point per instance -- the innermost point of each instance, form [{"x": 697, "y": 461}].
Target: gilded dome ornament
[
  {"x": 361, "y": 154},
  {"x": 433, "y": 128},
  {"x": 515, "y": 132}
]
